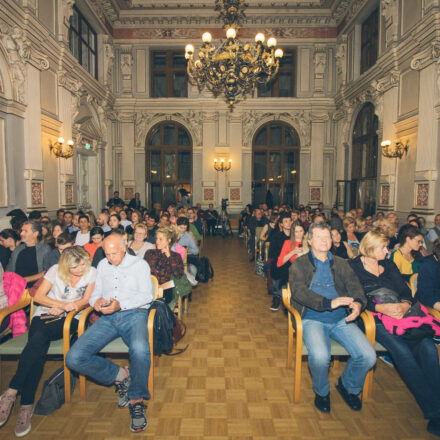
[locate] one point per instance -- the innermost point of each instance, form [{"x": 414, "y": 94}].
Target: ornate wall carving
[{"x": 300, "y": 120}]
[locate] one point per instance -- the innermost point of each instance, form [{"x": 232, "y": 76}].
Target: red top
[
  {"x": 91, "y": 248},
  {"x": 287, "y": 247}
]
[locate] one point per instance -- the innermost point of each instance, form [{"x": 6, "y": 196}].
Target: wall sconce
[
  {"x": 397, "y": 150},
  {"x": 60, "y": 150},
  {"x": 222, "y": 166}
]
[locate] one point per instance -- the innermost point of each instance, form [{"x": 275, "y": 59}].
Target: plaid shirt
[{"x": 162, "y": 267}]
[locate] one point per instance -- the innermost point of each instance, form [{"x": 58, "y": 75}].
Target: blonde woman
[
  {"x": 350, "y": 236},
  {"x": 138, "y": 245},
  {"x": 67, "y": 286}
]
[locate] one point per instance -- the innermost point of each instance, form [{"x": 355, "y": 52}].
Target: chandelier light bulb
[
  {"x": 61, "y": 140},
  {"x": 279, "y": 53},
  {"x": 189, "y": 48},
  {"x": 206, "y": 37},
  {"x": 70, "y": 142},
  {"x": 231, "y": 33},
  {"x": 259, "y": 38},
  {"x": 271, "y": 42}
]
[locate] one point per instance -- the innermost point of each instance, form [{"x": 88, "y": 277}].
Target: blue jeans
[
  {"x": 316, "y": 336},
  {"x": 132, "y": 327},
  {"x": 419, "y": 368}
]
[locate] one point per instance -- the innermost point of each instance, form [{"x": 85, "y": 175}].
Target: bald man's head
[{"x": 114, "y": 248}]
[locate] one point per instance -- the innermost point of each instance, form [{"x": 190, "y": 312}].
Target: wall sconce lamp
[
  {"x": 397, "y": 150},
  {"x": 222, "y": 166},
  {"x": 60, "y": 150}
]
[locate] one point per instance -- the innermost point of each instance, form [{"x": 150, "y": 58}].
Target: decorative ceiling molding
[{"x": 194, "y": 33}]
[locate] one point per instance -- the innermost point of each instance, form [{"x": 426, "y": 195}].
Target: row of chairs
[{"x": 60, "y": 347}]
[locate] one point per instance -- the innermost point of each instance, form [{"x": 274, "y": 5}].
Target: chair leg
[
  {"x": 82, "y": 387},
  {"x": 185, "y": 304},
  {"x": 67, "y": 385},
  {"x": 298, "y": 362},
  {"x": 289, "y": 345},
  {"x": 366, "y": 387}
]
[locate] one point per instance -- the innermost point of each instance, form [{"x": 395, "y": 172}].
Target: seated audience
[
  {"x": 135, "y": 203},
  {"x": 350, "y": 236},
  {"x": 124, "y": 219},
  {"x": 257, "y": 220},
  {"x": 9, "y": 240},
  {"x": 323, "y": 288},
  {"x": 57, "y": 230},
  {"x": 186, "y": 238},
  {"x": 279, "y": 275},
  {"x": 136, "y": 218},
  {"x": 434, "y": 233},
  {"x": 211, "y": 216},
  {"x": 269, "y": 228},
  {"x": 46, "y": 234},
  {"x": 293, "y": 248},
  {"x": 407, "y": 256},
  {"x": 123, "y": 294},
  {"x": 96, "y": 239},
  {"x": 68, "y": 218},
  {"x": 92, "y": 218},
  {"x": 67, "y": 286},
  {"x": 27, "y": 258},
  {"x": 62, "y": 242},
  {"x": 60, "y": 218},
  {"x": 340, "y": 248},
  {"x": 152, "y": 227},
  {"x": 115, "y": 200},
  {"x": 163, "y": 262},
  {"x": 102, "y": 222},
  {"x": 114, "y": 223},
  {"x": 416, "y": 360},
  {"x": 428, "y": 280},
  {"x": 138, "y": 245},
  {"x": 83, "y": 235},
  {"x": 195, "y": 225}
]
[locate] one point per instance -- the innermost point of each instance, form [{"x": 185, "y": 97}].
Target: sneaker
[
  {"x": 23, "y": 424},
  {"x": 122, "y": 388},
  {"x": 352, "y": 400},
  {"x": 7, "y": 402},
  {"x": 138, "y": 417},
  {"x": 386, "y": 359},
  {"x": 322, "y": 403},
  {"x": 275, "y": 303}
]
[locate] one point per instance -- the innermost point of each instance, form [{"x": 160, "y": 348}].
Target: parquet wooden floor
[{"x": 231, "y": 383}]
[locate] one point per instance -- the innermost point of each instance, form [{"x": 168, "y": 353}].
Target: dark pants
[
  {"x": 419, "y": 368},
  {"x": 210, "y": 225},
  {"x": 33, "y": 356}
]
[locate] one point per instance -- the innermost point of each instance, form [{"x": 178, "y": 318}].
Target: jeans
[
  {"x": 132, "y": 327},
  {"x": 33, "y": 356},
  {"x": 316, "y": 336},
  {"x": 277, "y": 286},
  {"x": 419, "y": 368}
]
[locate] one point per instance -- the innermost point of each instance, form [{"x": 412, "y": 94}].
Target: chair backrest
[
  {"x": 185, "y": 260},
  {"x": 155, "y": 285},
  {"x": 413, "y": 284},
  {"x": 287, "y": 294}
]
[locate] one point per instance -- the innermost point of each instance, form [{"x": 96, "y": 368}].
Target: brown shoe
[
  {"x": 23, "y": 424},
  {"x": 6, "y": 404}
]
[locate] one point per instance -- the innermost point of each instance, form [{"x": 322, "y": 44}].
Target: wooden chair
[
  {"x": 16, "y": 345},
  {"x": 295, "y": 342},
  {"x": 182, "y": 303},
  {"x": 118, "y": 346}
]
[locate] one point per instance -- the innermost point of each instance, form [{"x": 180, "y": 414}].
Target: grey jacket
[
  {"x": 42, "y": 249},
  {"x": 301, "y": 275}
]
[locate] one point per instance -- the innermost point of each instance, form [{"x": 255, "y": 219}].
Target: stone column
[{"x": 128, "y": 154}]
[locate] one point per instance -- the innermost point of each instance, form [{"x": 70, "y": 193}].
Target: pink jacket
[{"x": 14, "y": 286}]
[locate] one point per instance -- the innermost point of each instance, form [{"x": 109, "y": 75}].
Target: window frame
[
  {"x": 169, "y": 70},
  {"x": 274, "y": 85},
  {"x": 77, "y": 34},
  {"x": 162, "y": 149},
  {"x": 283, "y": 150},
  {"x": 369, "y": 41}
]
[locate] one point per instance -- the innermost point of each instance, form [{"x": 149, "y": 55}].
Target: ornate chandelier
[{"x": 234, "y": 68}]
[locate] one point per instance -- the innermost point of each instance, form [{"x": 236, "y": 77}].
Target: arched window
[
  {"x": 364, "y": 160},
  {"x": 275, "y": 165},
  {"x": 169, "y": 163}
]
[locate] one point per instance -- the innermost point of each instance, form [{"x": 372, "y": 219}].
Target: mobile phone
[{"x": 106, "y": 304}]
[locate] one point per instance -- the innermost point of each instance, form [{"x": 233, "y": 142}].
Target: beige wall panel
[
  {"x": 411, "y": 14},
  {"x": 409, "y": 92},
  {"x": 46, "y": 11},
  {"x": 141, "y": 71},
  {"x": 3, "y": 167},
  {"x": 405, "y": 181},
  {"x": 48, "y": 91},
  {"x": 304, "y": 70},
  {"x": 50, "y": 170}
]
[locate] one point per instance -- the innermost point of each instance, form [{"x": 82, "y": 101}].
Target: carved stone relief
[
  {"x": 109, "y": 57},
  {"x": 320, "y": 62},
  {"x": 341, "y": 63},
  {"x": 300, "y": 120},
  {"x": 389, "y": 10}
]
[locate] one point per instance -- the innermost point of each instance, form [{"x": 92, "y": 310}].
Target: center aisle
[{"x": 232, "y": 383}]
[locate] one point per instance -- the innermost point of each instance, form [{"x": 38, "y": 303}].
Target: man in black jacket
[
  {"x": 279, "y": 275},
  {"x": 324, "y": 288}
]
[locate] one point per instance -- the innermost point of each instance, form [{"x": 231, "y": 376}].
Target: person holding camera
[{"x": 211, "y": 216}]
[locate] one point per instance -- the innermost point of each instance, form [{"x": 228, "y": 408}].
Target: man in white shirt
[
  {"x": 123, "y": 294},
  {"x": 83, "y": 235},
  {"x": 434, "y": 233}
]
